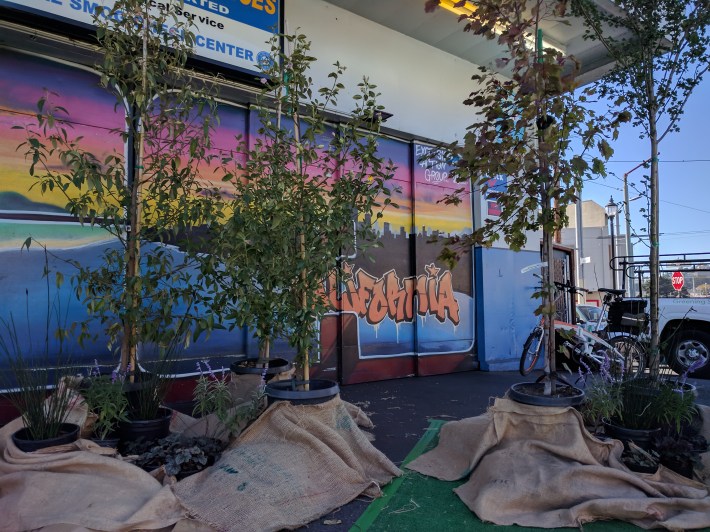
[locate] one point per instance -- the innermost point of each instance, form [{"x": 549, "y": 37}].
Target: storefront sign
[{"x": 231, "y": 32}]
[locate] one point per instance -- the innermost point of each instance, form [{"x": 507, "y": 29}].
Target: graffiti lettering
[{"x": 375, "y": 299}]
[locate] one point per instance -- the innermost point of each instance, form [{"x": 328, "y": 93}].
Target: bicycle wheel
[
  {"x": 531, "y": 351},
  {"x": 634, "y": 356}
]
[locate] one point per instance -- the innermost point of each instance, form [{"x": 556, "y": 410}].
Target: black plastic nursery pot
[
  {"x": 641, "y": 437},
  {"x": 533, "y": 393},
  {"x": 148, "y": 429},
  {"x": 311, "y": 392},
  {"x": 270, "y": 367},
  {"x": 68, "y": 433},
  {"x": 107, "y": 442}
]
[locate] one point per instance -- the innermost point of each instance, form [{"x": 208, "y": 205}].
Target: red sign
[{"x": 677, "y": 280}]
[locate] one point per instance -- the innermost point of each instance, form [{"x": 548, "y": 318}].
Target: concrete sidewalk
[{"x": 401, "y": 409}]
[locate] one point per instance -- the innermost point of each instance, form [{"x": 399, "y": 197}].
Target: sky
[{"x": 684, "y": 180}]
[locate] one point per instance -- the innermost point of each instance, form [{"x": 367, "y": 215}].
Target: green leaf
[{"x": 605, "y": 149}]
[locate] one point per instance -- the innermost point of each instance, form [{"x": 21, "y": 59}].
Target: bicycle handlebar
[
  {"x": 566, "y": 286},
  {"x": 571, "y": 288}
]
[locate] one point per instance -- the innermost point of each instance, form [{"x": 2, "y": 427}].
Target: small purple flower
[
  {"x": 695, "y": 365},
  {"x": 605, "y": 368},
  {"x": 210, "y": 371},
  {"x": 586, "y": 373}
]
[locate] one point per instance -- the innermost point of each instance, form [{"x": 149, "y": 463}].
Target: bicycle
[
  {"x": 623, "y": 354},
  {"x": 623, "y": 316}
]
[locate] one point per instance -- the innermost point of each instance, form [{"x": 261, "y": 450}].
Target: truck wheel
[{"x": 691, "y": 347}]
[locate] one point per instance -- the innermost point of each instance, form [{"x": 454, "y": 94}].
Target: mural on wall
[
  {"x": 400, "y": 311},
  {"x": 26, "y": 212},
  {"x": 397, "y": 310}
]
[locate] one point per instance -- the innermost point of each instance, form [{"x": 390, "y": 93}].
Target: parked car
[{"x": 684, "y": 325}]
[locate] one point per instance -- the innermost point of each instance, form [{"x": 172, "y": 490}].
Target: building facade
[{"x": 403, "y": 314}]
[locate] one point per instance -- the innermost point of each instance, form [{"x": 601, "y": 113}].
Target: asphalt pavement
[{"x": 401, "y": 410}]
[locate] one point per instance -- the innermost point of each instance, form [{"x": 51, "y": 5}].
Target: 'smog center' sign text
[{"x": 231, "y": 32}]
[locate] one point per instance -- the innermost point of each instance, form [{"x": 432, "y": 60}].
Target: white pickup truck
[{"x": 684, "y": 325}]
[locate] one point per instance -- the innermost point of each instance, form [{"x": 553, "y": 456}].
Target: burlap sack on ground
[
  {"x": 539, "y": 466},
  {"x": 68, "y": 486},
  {"x": 293, "y": 465}
]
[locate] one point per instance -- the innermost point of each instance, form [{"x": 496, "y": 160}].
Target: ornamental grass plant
[
  {"x": 642, "y": 403},
  {"x": 655, "y": 415},
  {"x": 36, "y": 386},
  {"x": 213, "y": 399}
]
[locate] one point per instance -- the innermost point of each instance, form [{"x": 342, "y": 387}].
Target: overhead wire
[{"x": 667, "y": 161}]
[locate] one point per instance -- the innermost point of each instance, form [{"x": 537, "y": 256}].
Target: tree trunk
[
  {"x": 654, "y": 351},
  {"x": 264, "y": 352},
  {"x": 133, "y": 244},
  {"x": 548, "y": 303},
  {"x": 550, "y": 215}
]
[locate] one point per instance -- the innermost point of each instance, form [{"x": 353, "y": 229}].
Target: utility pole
[
  {"x": 627, "y": 215},
  {"x": 612, "y": 210},
  {"x": 629, "y": 251},
  {"x": 579, "y": 233}
]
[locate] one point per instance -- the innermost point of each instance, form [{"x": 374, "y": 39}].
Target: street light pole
[{"x": 612, "y": 209}]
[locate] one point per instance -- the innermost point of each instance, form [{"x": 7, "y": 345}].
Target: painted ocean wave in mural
[
  {"x": 54, "y": 235},
  {"x": 27, "y": 299}
]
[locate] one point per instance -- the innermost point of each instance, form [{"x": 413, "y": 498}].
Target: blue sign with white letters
[{"x": 231, "y": 32}]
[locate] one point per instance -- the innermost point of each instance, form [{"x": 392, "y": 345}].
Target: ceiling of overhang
[{"x": 442, "y": 30}]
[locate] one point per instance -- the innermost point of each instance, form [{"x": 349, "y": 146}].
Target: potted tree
[
  {"x": 140, "y": 290},
  {"x": 300, "y": 199},
  {"x": 661, "y": 54},
  {"x": 535, "y": 132}
]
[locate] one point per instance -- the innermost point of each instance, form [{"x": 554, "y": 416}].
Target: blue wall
[{"x": 504, "y": 307}]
